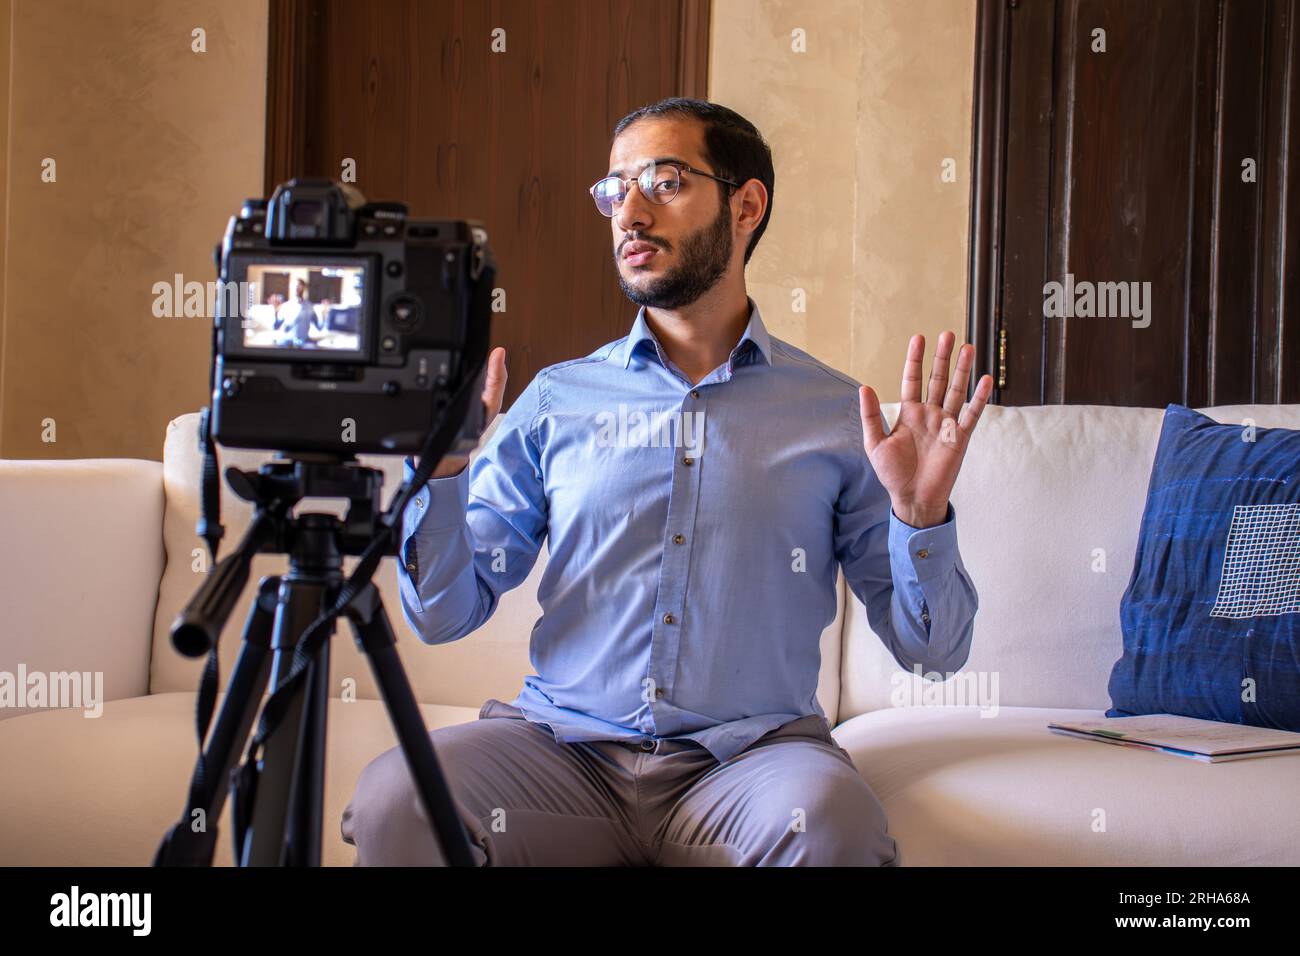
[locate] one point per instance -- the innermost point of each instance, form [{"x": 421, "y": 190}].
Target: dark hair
[{"x": 732, "y": 146}]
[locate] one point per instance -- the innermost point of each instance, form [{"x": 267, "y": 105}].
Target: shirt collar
[{"x": 755, "y": 332}]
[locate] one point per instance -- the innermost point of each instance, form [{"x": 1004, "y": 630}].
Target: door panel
[{"x": 1120, "y": 170}]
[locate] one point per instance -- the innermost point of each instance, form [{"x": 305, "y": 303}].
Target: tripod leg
[
  {"x": 306, "y": 799},
  {"x": 184, "y": 845},
  {"x": 374, "y": 636},
  {"x": 283, "y": 799}
]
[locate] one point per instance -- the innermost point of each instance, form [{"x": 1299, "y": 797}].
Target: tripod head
[
  {"x": 316, "y": 476},
  {"x": 312, "y": 540}
]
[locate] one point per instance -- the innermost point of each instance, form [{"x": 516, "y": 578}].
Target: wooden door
[{"x": 1131, "y": 147}]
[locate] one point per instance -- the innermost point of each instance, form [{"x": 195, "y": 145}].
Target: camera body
[{"x": 345, "y": 327}]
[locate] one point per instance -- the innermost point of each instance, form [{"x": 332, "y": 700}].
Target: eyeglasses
[{"x": 659, "y": 183}]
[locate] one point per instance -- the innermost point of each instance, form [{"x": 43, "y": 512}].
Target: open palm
[{"x": 918, "y": 461}]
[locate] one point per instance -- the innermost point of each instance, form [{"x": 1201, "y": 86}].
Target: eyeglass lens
[{"x": 658, "y": 183}]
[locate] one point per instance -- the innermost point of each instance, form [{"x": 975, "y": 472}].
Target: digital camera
[{"x": 346, "y": 327}]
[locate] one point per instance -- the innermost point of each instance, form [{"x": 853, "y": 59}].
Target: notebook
[{"x": 1210, "y": 741}]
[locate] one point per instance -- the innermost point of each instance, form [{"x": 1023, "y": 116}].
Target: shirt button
[
  {"x": 669, "y": 619},
  {"x": 411, "y": 567},
  {"x": 647, "y": 744},
  {"x": 923, "y": 553},
  {"x": 679, "y": 539},
  {"x": 659, "y": 691},
  {"x": 419, "y": 502},
  {"x": 688, "y": 462},
  {"x": 695, "y": 393}
]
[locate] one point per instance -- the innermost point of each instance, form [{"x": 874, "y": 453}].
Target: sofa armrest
[{"x": 81, "y": 554}]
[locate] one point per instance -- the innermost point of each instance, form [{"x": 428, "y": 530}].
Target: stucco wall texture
[{"x": 863, "y": 124}]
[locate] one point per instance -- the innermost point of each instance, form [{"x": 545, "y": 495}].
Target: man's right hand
[{"x": 494, "y": 389}]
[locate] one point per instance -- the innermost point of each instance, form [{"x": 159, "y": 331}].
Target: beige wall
[
  {"x": 155, "y": 147},
  {"x": 859, "y": 125}
]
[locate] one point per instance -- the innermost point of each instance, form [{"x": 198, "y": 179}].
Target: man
[
  {"x": 673, "y": 717},
  {"x": 295, "y": 319}
]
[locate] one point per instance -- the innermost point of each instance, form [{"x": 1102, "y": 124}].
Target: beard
[{"x": 705, "y": 256}]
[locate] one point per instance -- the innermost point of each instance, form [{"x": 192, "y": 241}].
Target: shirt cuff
[
  {"x": 930, "y": 552},
  {"x": 440, "y": 504}
]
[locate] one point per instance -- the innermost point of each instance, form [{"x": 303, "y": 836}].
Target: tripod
[{"x": 276, "y": 801}]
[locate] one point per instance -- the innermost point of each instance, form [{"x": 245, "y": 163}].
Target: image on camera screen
[{"x": 304, "y": 306}]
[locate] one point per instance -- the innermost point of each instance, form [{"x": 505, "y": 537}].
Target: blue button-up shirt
[{"x": 694, "y": 535}]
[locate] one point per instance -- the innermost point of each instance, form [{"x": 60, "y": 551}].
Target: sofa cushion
[
  {"x": 79, "y": 572},
  {"x": 1211, "y": 616},
  {"x": 962, "y": 789},
  {"x": 103, "y": 792},
  {"x": 491, "y": 662},
  {"x": 1048, "y": 505}
]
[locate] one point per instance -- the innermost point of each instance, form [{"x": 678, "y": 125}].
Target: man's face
[{"x": 668, "y": 255}]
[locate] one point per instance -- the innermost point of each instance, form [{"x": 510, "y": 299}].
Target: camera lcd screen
[{"x": 305, "y": 307}]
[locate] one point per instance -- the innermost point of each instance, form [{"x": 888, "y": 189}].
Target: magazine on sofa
[{"x": 1210, "y": 741}]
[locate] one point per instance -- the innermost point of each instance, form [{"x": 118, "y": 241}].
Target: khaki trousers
[{"x": 793, "y": 797}]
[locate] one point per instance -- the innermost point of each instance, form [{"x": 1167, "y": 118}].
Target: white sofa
[{"x": 98, "y": 556}]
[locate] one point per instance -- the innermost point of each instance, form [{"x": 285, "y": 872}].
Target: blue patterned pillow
[{"x": 1211, "y": 616}]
